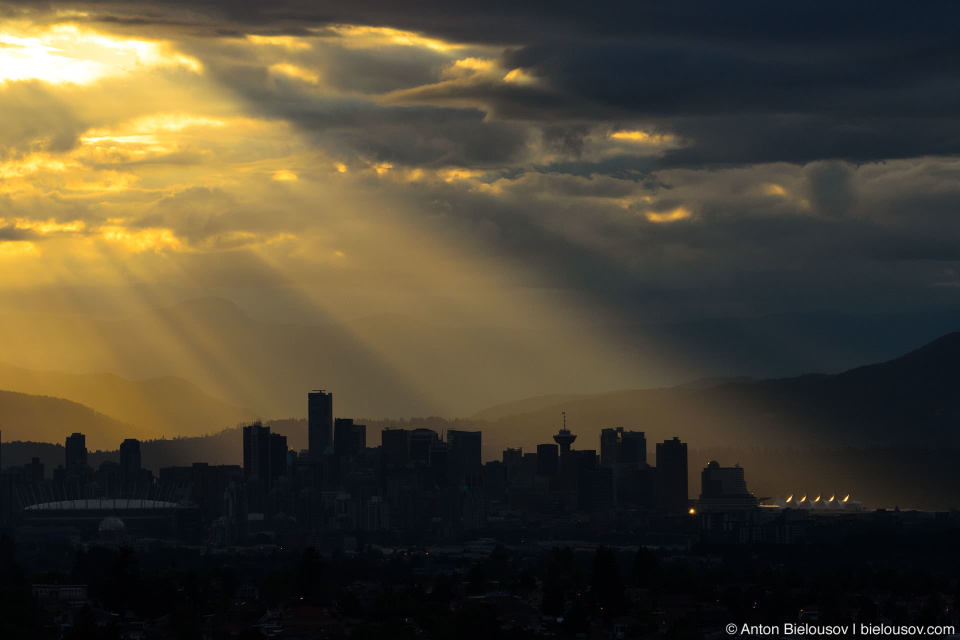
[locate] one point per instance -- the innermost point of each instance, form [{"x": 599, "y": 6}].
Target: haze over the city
[{"x": 433, "y": 209}]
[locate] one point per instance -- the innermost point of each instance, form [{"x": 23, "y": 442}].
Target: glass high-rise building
[
  {"x": 76, "y": 453},
  {"x": 319, "y": 422},
  {"x": 278, "y": 456},
  {"x": 673, "y": 494},
  {"x": 130, "y": 459},
  {"x": 465, "y": 457},
  {"x": 256, "y": 452}
]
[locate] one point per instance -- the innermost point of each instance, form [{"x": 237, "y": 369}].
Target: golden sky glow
[{"x": 159, "y": 167}]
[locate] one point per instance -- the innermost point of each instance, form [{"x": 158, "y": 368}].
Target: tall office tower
[
  {"x": 464, "y": 455},
  {"x": 512, "y": 457},
  {"x": 341, "y": 436},
  {"x": 256, "y": 452},
  {"x": 349, "y": 439},
  {"x": 278, "y": 456},
  {"x": 673, "y": 495},
  {"x": 420, "y": 442},
  {"x": 130, "y": 459},
  {"x": 34, "y": 471},
  {"x": 440, "y": 463},
  {"x": 513, "y": 464},
  {"x": 395, "y": 447},
  {"x": 621, "y": 450},
  {"x": 610, "y": 447},
  {"x": 76, "y": 448},
  {"x": 235, "y": 507},
  {"x": 111, "y": 480},
  {"x": 358, "y": 437},
  {"x": 633, "y": 450},
  {"x": 320, "y": 422},
  {"x": 548, "y": 456}
]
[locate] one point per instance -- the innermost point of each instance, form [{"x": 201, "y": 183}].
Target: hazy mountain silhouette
[
  {"x": 790, "y": 344},
  {"x": 45, "y": 419},
  {"x": 527, "y": 405},
  {"x": 390, "y": 366},
  {"x": 168, "y": 405},
  {"x": 911, "y": 399},
  {"x": 384, "y": 366},
  {"x": 223, "y": 447},
  {"x": 212, "y": 342},
  {"x": 716, "y": 381}
]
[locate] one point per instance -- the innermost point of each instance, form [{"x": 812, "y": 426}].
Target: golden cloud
[{"x": 673, "y": 215}]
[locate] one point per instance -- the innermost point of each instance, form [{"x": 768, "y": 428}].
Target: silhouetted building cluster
[
  {"x": 80, "y": 502},
  {"x": 76, "y": 480},
  {"x": 264, "y": 455},
  {"x": 435, "y": 484},
  {"x": 417, "y": 483}
]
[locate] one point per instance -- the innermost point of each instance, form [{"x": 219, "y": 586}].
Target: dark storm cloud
[
  {"x": 408, "y": 135},
  {"x": 744, "y": 81},
  {"x": 839, "y": 241},
  {"x": 804, "y": 138},
  {"x": 759, "y": 102},
  {"x": 707, "y": 78},
  {"x": 387, "y": 69},
  {"x": 506, "y": 22},
  {"x": 567, "y": 140},
  {"x": 507, "y": 101},
  {"x": 830, "y": 187},
  {"x": 418, "y": 136},
  {"x": 624, "y": 167},
  {"x": 9, "y": 233},
  {"x": 34, "y": 120}
]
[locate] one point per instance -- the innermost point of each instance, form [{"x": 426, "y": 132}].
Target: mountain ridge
[
  {"x": 53, "y": 419},
  {"x": 903, "y": 399},
  {"x": 164, "y": 405}
]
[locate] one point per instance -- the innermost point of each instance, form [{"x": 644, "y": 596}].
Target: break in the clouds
[{"x": 641, "y": 160}]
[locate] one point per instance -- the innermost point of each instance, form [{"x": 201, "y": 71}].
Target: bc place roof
[{"x": 110, "y": 504}]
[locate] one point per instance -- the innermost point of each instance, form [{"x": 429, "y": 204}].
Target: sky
[{"x": 482, "y": 164}]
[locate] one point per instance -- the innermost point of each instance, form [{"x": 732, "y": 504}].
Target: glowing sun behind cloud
[{"x": 71, "y": 54}]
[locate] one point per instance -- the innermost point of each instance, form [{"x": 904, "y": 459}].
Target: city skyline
[
  {"x": 455, "y": 455},
  {"x": 267, "y": 459}
]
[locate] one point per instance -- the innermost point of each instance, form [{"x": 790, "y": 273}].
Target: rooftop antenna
[{"x": 564, "y": 414}]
